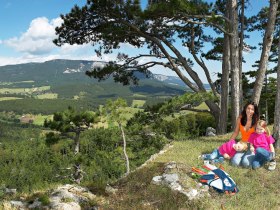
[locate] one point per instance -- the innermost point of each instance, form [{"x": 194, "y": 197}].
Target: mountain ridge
[
  {"x": 9, "y": 72},
  {"x": 59, "y": 80}
]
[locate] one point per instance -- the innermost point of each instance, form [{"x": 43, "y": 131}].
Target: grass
[
  {"x": 10, "y": 83},
  {"x": 47, "y": 96},
  {"x": 259, "y": 189},
  {"x": 9, "y": 98},
  {"x": 139, "y": 95},
  {"x": 138, "y": 103},
  {"x": 39, "y": 119},
  {"x": 202, "y": 106},
  {"x": 23, "y": 90}
]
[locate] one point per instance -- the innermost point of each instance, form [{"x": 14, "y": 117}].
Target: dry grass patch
[{"x": 258, "y": 189}]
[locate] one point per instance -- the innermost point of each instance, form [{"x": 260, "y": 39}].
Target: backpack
[{"x": 216, "y": 178}]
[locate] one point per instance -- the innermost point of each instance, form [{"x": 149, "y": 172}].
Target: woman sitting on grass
[
  {"x": 245, "y": 124},
  {"x": 263, "y": 147},
  {"x": 225, "y": 151}
]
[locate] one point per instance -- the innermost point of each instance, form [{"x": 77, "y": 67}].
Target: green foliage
[
  {"x": 44, "y": 199},
  {"x": 28, "y": 164},
  {"x": 41, "y": 106},
  {"x": 74, "y": 89},
  {"x": 187, "y": 126},
  {"x": 192, "y": 99},
  {"x": 52, "y": 138},
  {"x": 116, "y": 110},
  {"x": 71, "y": 120}
]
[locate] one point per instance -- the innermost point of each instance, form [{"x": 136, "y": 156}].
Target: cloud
[
  {"x": 37, "y": 40},
  {"x": 35, "y": 45}
]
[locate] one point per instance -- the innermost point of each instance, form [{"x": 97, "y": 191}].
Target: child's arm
[
  {"x": 226, "y": 156},
  {"x": 271, "y": 141},
  {"x": 252, "y": 148},
  {"x": 272, "y": 148}
]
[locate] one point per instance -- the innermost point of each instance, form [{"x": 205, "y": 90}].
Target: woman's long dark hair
[{"x": 255, "y": 116}]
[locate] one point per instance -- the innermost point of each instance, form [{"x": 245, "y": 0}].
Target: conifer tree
[
  {"x": 71, "y": 121},
  {"x": 116, "y": 111}
]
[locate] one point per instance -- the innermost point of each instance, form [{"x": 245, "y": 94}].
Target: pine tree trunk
[
  {"x": 276, "y": 128},
  {"x": 124, "y": 150},
  {"x": 234, "y": 57},
  {"x": 267, "y": 42},
  {"x": 241, "y": 44},
  {"x": 222, "y": 128},
  {"x": 215, "y": 111},
  {"x": 77, "y": 143}
]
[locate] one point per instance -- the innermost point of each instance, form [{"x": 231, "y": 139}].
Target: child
[
  {"x": 225, "y": 151},
  {"x": 263, "y": 147}
]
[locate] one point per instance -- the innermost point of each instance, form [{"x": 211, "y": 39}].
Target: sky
[{"x": 27, "y": 31}]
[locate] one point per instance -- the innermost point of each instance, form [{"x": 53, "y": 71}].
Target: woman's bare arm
[{"x": 236, "y": 130}]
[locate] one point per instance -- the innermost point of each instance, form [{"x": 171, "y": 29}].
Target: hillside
[
  {"x": 258, "y": 189},
  {"x": 64, "y": 82}
]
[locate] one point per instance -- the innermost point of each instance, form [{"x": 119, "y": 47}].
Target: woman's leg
[
  {"x": 236, "y": 160},
  {"x": 247, "y": 160}
]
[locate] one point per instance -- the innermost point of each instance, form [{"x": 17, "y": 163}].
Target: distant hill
[
  {"x": 66, "y": 80},
  {"x": 60, "y": 72}
]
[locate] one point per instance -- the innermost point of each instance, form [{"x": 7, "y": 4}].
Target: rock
[
  {"x": 110, "y": 190},
  {"x": 10, "y": 191},
  {"x": 170, "y": 165},
  {"x": 66, "y": 206},
  {"x": 35, "y": 205},
  {"x": 210, "y": 131},
  {"x": 157, "y": 180},
  {"x": 192, "y": 194},
  {"x": 170, "y": 178},
  {"x": 176, "y": 186},
  {"x": 175, "y": 177},
  {"x": 18, "y": 204},
  {"x": 66, "y": 197}
]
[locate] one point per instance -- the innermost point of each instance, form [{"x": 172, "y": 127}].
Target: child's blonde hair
[
  {"x": 263, "y": 124},
  {"x": 244, "y": 144}
]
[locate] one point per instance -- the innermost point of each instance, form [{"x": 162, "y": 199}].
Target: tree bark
[
  {"x": 77, "y": 143},
  {"x": 267, "y": 42},
  {"x": 234, "y": 57},
  {"x": 124, "y": 150},
  {"x": 241, "y": 44},
  {"x": 222, "y": 128},
  {"x": 276, "y": 127}
]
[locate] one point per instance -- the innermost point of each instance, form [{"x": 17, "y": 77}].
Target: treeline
[
  {"x": 43, "y": 106},
  {"x": 49, "y": 106},
  {"x": 29, "y": 161}
]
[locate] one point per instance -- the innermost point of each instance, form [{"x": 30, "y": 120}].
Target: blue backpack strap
[
  {"x": 207, "y": 178},
  {"x": 228, "y": 184}
]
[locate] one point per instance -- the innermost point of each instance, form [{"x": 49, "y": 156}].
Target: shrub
[{"x": 187, "y": 126}]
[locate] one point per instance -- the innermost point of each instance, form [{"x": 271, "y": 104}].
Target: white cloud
[
  {"x": 69, "y": 49},
  {"x": 35, "y": 45},
  {"x": 37, "y": 40}
]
